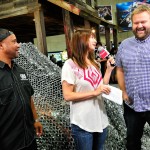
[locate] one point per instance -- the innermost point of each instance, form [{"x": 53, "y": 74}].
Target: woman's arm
[{"x": 70, "y": 94}]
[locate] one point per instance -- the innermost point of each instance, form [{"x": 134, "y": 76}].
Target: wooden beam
[
  {"x": 66, "y": 6},
  {"x": 90, "y": 17},
  {"x": 115, "y": 40},
  {"x": 87, "y": 24},
  {"x": 68, "y": 30},
  {"x": 98, "y": 33},
  {"x": 40, "y": 31},
  {"x": 107, "y": 36},
  {"x": 80, "y": 8},
  {"x": 19, "y": 11}
]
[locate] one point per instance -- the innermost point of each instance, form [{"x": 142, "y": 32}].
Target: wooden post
[
  {"x": 87, "y": 24},
  {"x": 107, "y": 35},
  {"x": 68, "y": 29},
  {"x": 98, "y": 33},
  {"x": 115, "y": 38},
  {"x": 40, "y": 31}
]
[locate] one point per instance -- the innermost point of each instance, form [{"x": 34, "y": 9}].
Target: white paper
[{"x": 115, "y": 95}]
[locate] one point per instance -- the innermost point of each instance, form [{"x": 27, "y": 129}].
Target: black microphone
[{"x": 103, "y": 53}]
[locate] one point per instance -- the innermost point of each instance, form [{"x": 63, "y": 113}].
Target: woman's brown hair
[{"x": 80, "y": 47}]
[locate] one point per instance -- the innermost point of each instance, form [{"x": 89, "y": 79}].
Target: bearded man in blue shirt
[{"x": 133, "y": 74}]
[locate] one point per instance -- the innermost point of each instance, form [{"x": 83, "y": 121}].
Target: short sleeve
[
  {"x": 118, "y": 56},
  {"x": 67, "y": 73}
]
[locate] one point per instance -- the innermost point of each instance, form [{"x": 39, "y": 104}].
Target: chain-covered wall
[{"x": 53, "y": 111}]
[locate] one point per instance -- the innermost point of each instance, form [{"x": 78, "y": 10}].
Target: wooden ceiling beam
[
  {"x": 11, "y": 12},
  {"x": 66, "y": 6}
]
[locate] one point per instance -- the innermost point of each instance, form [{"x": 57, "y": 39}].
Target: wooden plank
[
  {"x": 19, "y": 11},
  {"x": 87, "y": 24},
  {"x": 107, "y": 36},
  {"x": 19, "y": 3},
  {"x": 90, "y": 17},
  {"x": 98, "y": 36},
  {"x": 6, "y": 6},
  {"x": 66, "y": 6},
  {"x": 115, "y": 40},
  {"x": 68, "y": 29},
  {"x": 40, "y": 31}
]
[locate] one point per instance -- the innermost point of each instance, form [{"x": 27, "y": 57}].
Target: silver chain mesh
[{"x": 53, "y": 111}]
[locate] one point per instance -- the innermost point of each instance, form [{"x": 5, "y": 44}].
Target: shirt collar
[
  {"x": 143, "y": 41},
  {"x": 2, "y": 64}
]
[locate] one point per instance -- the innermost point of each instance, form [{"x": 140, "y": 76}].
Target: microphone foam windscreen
[{"x": 103, "y": 54}]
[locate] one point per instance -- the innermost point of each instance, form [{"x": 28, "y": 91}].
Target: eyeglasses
[{"x": 4, "y": 33}]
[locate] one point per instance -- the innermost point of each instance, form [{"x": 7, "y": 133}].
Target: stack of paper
[{"x": 115, "y": 95}]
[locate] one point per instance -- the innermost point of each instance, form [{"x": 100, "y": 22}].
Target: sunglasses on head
[{"x": 4, "y": 33}]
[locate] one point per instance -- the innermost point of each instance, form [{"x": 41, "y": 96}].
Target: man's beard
[{"x": 146, "y": 33}]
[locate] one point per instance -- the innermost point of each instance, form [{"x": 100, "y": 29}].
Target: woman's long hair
[{"x": 80, "y": 48}]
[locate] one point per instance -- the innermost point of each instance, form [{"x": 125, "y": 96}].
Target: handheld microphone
[{"x": 103, "y": 53}]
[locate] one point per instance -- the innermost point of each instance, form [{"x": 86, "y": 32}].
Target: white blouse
[{"x": 89, "y": 114}]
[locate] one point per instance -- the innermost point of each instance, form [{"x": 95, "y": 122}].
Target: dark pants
[
  {"x": 135, "y": 122},
  {"x": 32, "y": 146}
]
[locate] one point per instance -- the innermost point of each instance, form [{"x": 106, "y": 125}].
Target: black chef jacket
[{"x": 16, "y": 117}]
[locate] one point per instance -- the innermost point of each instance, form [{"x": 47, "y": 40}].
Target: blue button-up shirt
[{"x": 134, "y": 57}]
